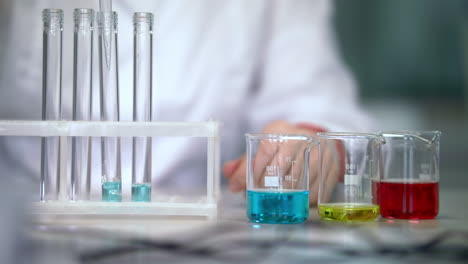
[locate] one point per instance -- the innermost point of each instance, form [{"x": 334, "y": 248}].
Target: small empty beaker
[
  {"x": 409, "y": 187},
  {"x": 278, "y": 177},
  {"x": 347, "y": 185}
]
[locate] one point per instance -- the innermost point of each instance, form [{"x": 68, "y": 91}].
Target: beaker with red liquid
[{"x": 409, "y": 186}]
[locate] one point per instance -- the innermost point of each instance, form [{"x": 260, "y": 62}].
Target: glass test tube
[
  {"x": 142, "y": 86},
  {"x": 51, "y": 100},
  {"x": 82, "y": 83},
  {"x": 109, "y": 93}
]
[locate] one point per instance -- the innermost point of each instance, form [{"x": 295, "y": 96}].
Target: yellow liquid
[{"x": 349, "y": 212}]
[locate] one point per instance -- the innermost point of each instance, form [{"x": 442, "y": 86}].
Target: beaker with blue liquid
[{"x": 278, "y": 177}]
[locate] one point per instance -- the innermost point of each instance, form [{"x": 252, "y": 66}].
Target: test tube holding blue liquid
[
  {"x": 109, "y": 92},
  {"x": 142, "y": 107}
]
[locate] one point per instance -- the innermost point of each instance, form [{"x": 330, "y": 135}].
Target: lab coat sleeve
[{"x": 300, "y": 76}]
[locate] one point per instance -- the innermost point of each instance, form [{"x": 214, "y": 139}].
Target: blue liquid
[
  {"x": 112, "y": 192},
  {"x": 278, "y": 207},
  {"x": 141, "y": 192}
]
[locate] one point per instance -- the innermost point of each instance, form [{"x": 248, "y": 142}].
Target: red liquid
[{"x": 418, "y": 200}]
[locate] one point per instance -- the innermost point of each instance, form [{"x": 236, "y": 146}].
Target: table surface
[{"x": 232, "y": 238}]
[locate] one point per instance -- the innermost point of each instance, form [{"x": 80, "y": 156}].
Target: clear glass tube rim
[
  {"x": 83, "y": 13},
  {"x": 143, "y": 17},
  {"x": 52, "y": 15},
  {"x": 52, "y": 11},
  {"x": 83, "y": 18}
]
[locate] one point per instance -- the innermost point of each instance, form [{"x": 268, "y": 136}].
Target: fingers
[
  {"x": 230, "y": 167},
  {"x": 294, "y": 166},
  {"x": 263, "y": 159},
  {"x": 284, "y": 160},
  {"x": 279, "y": 126},
  {"x": 313, "y": 176},
  {"x": 237, "y": 179},
  {"x": 330, "y": 174},
  {"x": 331, "y": 180}
]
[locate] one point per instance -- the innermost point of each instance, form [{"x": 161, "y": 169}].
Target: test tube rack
[{"x": 207, "y": 206}]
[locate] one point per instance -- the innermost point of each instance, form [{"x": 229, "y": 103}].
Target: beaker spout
[
  {"x": 436, "y": 136},
  {"x": 380, "y": 139},
  {"x": 428, "y": 137}
]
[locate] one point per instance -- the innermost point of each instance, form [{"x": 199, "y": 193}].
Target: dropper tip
[{"x": 105, "y": 5}]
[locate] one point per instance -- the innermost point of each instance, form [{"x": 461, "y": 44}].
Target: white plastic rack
[{"x": 174, "y": 206}]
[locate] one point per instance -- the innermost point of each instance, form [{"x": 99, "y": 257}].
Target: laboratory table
[{"x": 232, "y": 239}]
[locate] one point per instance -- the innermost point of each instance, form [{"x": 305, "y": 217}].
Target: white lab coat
[{"x": 244, "y": 63}]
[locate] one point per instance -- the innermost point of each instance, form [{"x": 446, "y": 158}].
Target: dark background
[{"x": 410, "y": 60}]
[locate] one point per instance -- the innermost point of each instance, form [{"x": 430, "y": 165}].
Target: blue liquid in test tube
[
  {"x": 112, "y": 192},
  {"x": 142, "y": 107},
  {"x": 141, "y": 192}
]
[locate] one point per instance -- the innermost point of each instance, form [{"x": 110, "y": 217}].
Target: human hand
[{"x": 235, "y": 170}]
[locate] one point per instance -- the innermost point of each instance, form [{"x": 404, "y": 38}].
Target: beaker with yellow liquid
[{"x": 349, "y": 172}]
